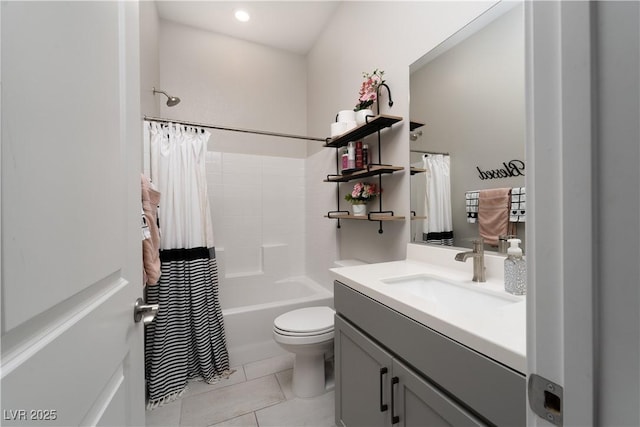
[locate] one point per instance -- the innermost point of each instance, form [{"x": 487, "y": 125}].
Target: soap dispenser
[{"x": 515, "y": 269}]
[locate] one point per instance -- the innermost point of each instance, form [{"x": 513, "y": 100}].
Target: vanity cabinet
[
  {"x": 423, "y": 377},
  {"x": 363, "y": 369},
  {"x": 377, "y": 389}
]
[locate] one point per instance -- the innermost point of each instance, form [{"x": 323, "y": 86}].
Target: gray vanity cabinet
[
  {"x": 363, "y": 368},
  {"x": 374, "y": 389},
  {"x": 424, "y": 378}
]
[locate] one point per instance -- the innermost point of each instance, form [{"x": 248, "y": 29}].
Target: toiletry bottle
[
  {"x": 345, "y": 159},
  {"x": 359, "y": 164},
  {"x": 515, "y": 269},
  {"x": 365, "y": 155},
  {"x": 351, "y": 155}
]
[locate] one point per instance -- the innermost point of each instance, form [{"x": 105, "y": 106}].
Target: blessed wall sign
[{"x": 509, "y": 169}]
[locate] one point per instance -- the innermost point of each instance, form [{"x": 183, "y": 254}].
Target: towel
[
  {"x": 518, "y": 205},
  {"x": 493, "y": 214},
  {"x": 471, "y": 206},
  {"x": 150, "y": 233}
]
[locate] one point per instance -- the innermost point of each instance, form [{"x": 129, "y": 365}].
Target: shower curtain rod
[
  {"x": 429, "y": 152},
  {"x": 258, "y": 132}
]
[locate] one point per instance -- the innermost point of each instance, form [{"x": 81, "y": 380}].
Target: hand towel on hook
[
  {"x": 493, "y": 214},
  {"x": 518, "y": 205},
  {"x": 471, "y": 206}
]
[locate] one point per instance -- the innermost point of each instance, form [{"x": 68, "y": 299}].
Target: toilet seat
[
  {"x": 301, "y": 334},
  {"x": 309, "y": 321},
  {"x": 302, "y": 340}
]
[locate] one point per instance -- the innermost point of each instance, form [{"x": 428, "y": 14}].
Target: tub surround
[
  {"x": 499, "y": 334},
  {"x": 251, "y": 303}
]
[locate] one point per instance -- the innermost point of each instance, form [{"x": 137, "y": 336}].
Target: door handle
[
  {"x": 144, "y": 312},
  {"x": 383, "y": 371},
  {"x": 394, "y": 418}
]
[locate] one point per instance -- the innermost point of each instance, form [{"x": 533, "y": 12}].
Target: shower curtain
[
  {"x": 438, "y": 228},
  {"x": 187, "y": 339}
]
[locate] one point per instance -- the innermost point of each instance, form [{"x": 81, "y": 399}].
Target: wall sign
[{"x": 508, "y": 170}]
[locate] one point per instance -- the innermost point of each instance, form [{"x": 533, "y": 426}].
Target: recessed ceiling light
[{"x": 242, "y": 15}]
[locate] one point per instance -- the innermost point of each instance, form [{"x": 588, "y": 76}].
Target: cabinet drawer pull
[
  {"x": 395, "y": 419},
  {"x": 383, "y": 372}
]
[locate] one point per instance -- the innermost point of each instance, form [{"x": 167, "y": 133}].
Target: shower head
[{"x": 171, "y": 101}]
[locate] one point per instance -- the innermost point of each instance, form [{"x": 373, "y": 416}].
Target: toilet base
[
  {"x": 308, "y": 375},
  {"x": 309, "y": 368},
  {"x": 307, "y": 333}
]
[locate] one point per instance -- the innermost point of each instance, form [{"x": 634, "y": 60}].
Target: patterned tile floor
[{"x": 258, "y": 394}]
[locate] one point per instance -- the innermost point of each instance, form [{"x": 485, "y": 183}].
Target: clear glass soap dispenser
[{"x": 515, "y": 269}]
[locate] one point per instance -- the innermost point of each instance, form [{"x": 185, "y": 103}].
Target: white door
[
  {"x": 583, "y": 229},
  {"x": 71, "y": 242}
]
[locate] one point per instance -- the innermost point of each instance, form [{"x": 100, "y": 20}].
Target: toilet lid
[{"x": 307, "y": 320}]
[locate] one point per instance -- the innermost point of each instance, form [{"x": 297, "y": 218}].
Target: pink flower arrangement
[
  {"x": 362, "y": 193},
  {"x": 369, "y": 89}
]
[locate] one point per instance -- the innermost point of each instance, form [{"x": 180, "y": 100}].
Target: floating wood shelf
[
  {"x": 413, "y": 217},
  {"x": 414, "y": 125},
  {"x": 417, "y": 170},
  {"x": 371, "y": 217},
  {"x": 375, "y": 124},
  {"x": 371, "y": 170}
]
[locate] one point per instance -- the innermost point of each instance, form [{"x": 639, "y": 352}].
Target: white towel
[
  {"x": 518, "y": 208},
  {"x": 471, "y": 205}
]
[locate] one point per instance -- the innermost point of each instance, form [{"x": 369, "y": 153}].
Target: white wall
[
  {"x": 322, "y": 236},
  {"x": 258, "y": 211},
  {"x": 361, "y": 37},
  {"x": 230, "y": 82},
  {"x": 256, "y": 182}
]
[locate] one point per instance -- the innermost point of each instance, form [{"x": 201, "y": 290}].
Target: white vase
[
  {"x": 359, "y": 209},
  {"x": 361, "y": 116}
]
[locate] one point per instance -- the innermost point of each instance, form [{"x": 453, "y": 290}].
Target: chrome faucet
[{"x": 478, "y": 260}]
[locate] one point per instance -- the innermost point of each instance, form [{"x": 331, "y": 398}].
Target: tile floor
[{"x": 258, "y": 394}]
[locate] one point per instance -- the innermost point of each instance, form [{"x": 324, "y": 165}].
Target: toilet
[{"x": 308, "y": 333}]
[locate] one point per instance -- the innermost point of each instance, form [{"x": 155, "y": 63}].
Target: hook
[{"x": 388, "y": 91}]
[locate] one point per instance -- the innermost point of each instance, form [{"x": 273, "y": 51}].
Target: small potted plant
[
  {"x": 362, "y": 193},
  {"x": 368, "y": 94}
]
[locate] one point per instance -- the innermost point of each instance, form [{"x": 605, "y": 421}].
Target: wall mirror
[{"x": 467, "y": 101}]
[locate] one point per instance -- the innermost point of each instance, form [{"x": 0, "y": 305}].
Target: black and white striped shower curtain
[{"x": 187, "y": 339}]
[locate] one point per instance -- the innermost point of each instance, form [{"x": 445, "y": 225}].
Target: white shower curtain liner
[
  {"x": 438, "y": 228},
  {"x": 178, "y": 169},
  {"x": 187, "y": 338}
]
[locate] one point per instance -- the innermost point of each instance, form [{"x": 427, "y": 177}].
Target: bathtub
[{"x": 251, "y": 303}]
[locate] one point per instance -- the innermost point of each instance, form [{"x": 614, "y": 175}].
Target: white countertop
[{"x": 497, "y": 333}]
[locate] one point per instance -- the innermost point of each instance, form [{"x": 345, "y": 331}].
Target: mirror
[{"x": 467, "y": 100}]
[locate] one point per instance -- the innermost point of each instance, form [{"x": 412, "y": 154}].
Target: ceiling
[{"x": 289, "y": 25}]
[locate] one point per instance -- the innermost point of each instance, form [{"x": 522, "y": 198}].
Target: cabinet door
[
  {"x": 417, "y": 403},
  {"x": 363, "y": 372}
]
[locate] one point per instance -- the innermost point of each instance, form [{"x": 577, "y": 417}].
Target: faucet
[{"x": 478, "y": 260}]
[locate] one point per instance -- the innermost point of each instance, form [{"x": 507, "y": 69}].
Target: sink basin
[{"x": 452, "y": 295}]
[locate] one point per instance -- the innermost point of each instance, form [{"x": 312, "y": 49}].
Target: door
[
  {"x": 583, "y": 219},
  {"x": 417, "y": 403},
  {"x": 363, "y": 372},
  {"x": 71, "y": 239}
]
